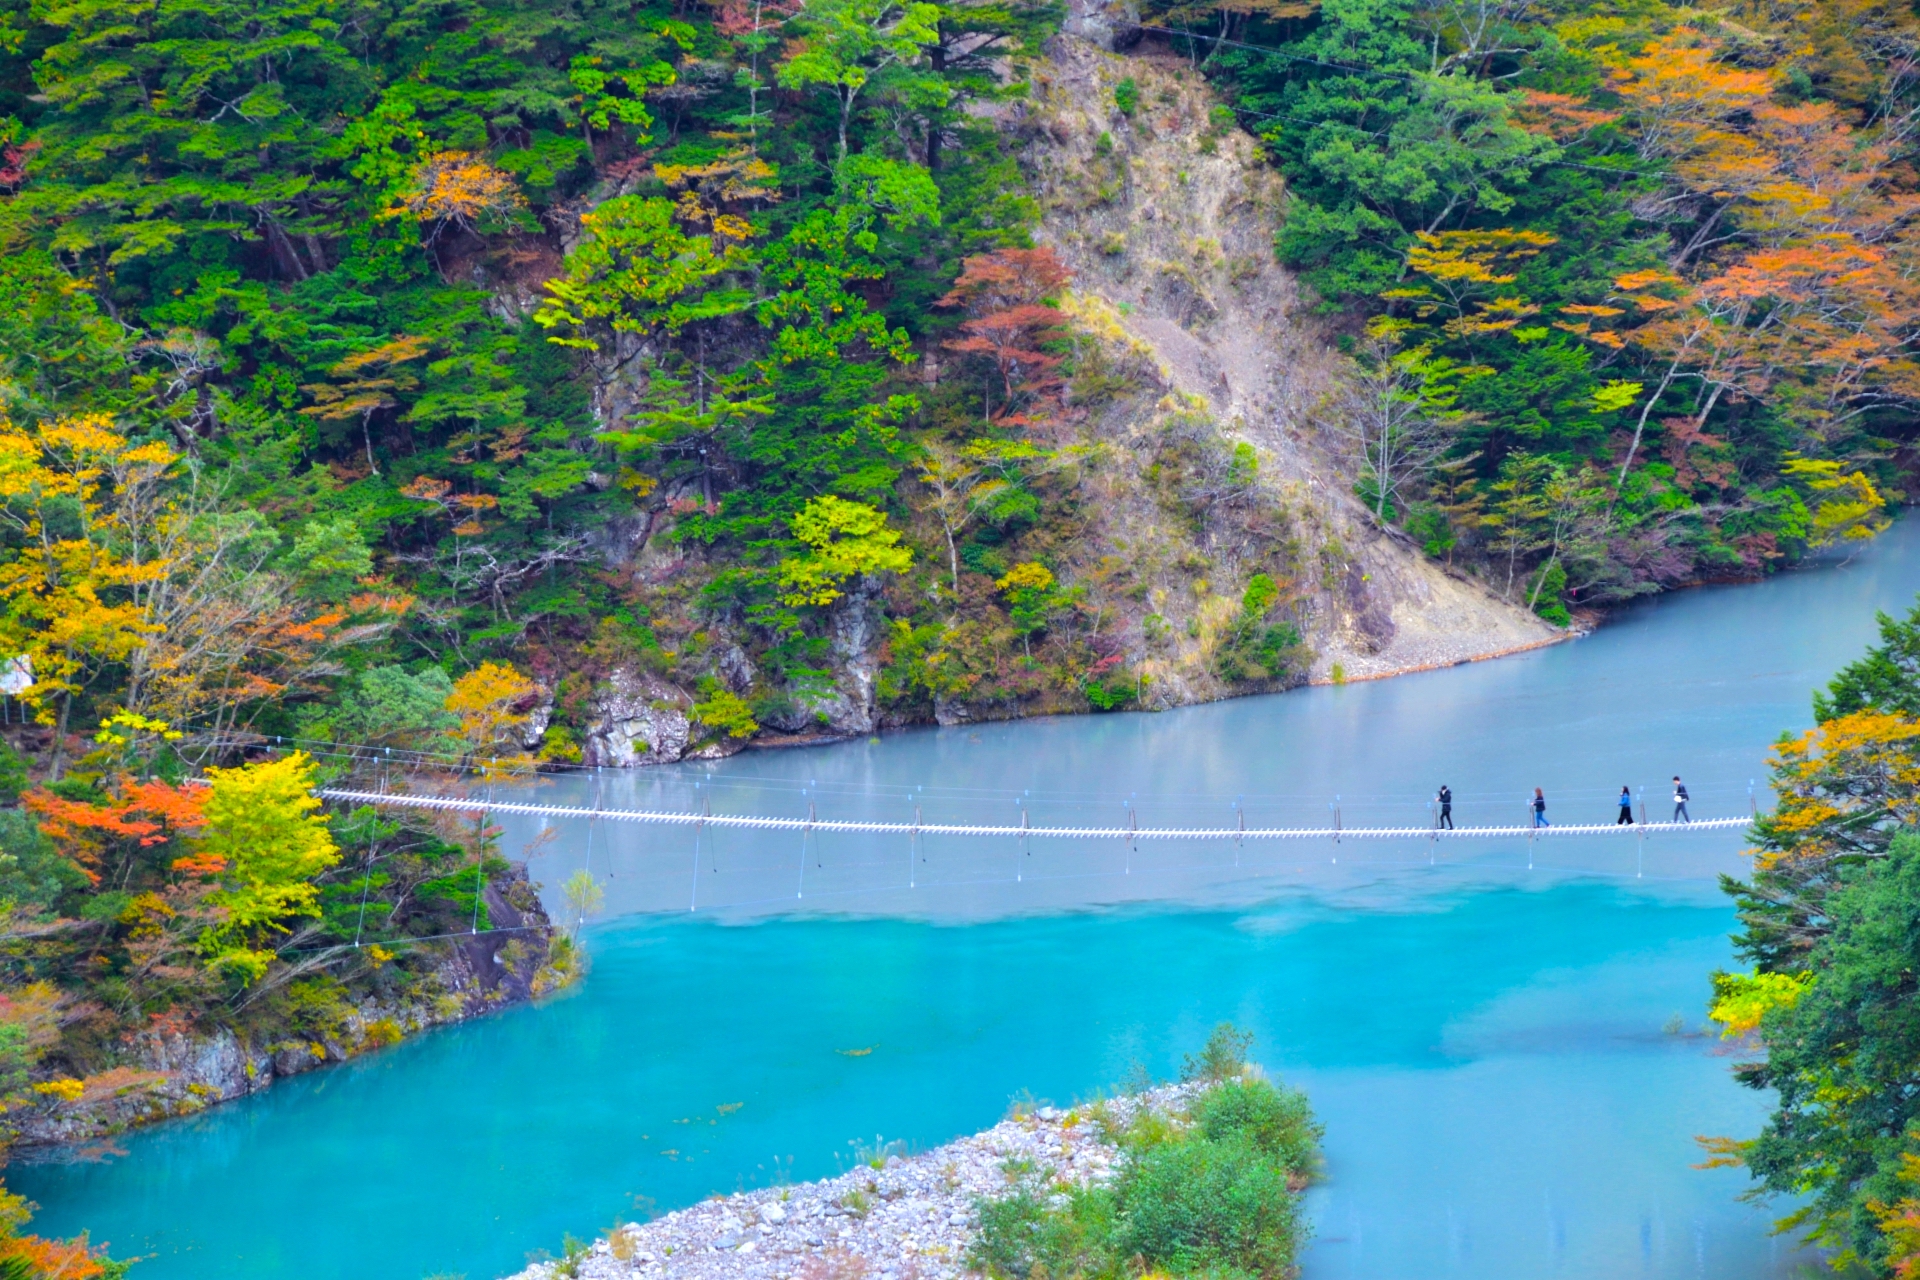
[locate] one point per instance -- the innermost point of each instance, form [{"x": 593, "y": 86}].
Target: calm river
[{"x": 1507, "y": 1056}]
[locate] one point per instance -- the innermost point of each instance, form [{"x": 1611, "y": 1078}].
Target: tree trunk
[
  {"x": 60, "y": 738},
  {"x": 1541, "y": 583},
  {"x": 366, "y": 434},
  {"x": 282, "y": 249},
  {"x": 1639, "y": 428}
]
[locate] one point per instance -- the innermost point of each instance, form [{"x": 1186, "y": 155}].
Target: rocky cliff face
[{"x": 176, "y": 1071}]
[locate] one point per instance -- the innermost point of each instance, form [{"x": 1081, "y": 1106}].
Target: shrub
[
  {"x": 1278, "y": 1122},
  {"x": 1223, "y": 1057},
  {"x": 1208, "y": 1206},
  {"x": 1430, "y": 527},
  {"x": 1548, "y": 587},
  {"x": 724, "y": 711},
  {"x": 1021, "y": 1237},
  {"x": 380, "y": 1033},
  {"x": 1126, "y": 96},
  {"x": 1212, "y": 1194}
]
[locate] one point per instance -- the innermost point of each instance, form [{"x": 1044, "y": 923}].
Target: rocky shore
[
  {"x": 891, "y": 1218},
  {"x": 176, "y": 1071}
]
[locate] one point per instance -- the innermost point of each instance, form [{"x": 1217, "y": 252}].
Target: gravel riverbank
[{"x": 912, "y": 1218}]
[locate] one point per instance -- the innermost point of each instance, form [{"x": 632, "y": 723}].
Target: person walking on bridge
[
  {"x": 1626, "y": 807},
  {"x": 1446, "y": 807},
  {"x": 1680, "y": 798},
  {"x": 1540, "y": 809}
]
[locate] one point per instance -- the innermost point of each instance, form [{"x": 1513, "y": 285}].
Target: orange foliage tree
[
  {"x": 1009, "y": 322},
  {"x": 1798, "y": 283},
  {"x": 459, "y": 188}
]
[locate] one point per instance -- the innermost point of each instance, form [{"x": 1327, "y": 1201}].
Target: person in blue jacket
[{"x": 1626, "y": 807}]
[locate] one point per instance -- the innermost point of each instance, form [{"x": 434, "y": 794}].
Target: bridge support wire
[{"x": 916, "y": 830}]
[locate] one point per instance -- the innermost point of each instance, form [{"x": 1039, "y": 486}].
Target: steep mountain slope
[
  {"x": 1187, "y": 470},
  {"x": 1167, "y": 217}
]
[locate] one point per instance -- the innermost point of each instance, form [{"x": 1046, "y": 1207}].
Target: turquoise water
[
  {"x": 1489, "y": 1065},
  {"x": 1484, "y": 1042}
]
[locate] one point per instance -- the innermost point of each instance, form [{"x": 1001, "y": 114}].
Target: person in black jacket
[
  {"x": 1680, "y": 799},
  {"x": 1446, "y": 806},
  {"x": 1626, "y": 807},
  {"x": 1540, "y": 808}
]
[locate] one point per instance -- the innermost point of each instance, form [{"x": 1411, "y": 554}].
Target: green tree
[
  {"x": 1885, "y": 678},
  {"x": 1032, "y": 600},
  {"x": 1397, "y": 411},
  {"x": 1843, "y": 1057},
  {"x": 848, "y": 44}
]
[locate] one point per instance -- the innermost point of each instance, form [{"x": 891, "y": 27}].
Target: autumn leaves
[
  {"x": 1698, "y": 351},
  {"x": 126, "y": 564}
]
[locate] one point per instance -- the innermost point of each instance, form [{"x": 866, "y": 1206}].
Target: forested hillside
[
  {"x": 712, "y": 368},
  {"x": 1637, "y": 280}
]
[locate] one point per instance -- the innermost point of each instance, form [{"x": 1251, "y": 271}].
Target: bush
[
  {"x": 1203, "y": 1205},
  {"x": 1549, "y": 586},
  {"x": 1020, "y": 1237},
  {"x": 1277, "y": 1122},
  {"x": 1250, "y": 651},
  {"x": 1223, "y": 1057},
  {"x": 1212, "y": 1194},
  {"x": 723, "y": 711}
]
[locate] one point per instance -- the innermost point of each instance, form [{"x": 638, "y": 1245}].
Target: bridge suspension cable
[{"x": 649, "y": 817}]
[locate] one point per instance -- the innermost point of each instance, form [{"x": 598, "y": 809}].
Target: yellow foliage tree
[
  {"x": 65, "y": 598},
  {"x": 842, "y": 539},
  {"x": 1741, "y": 1000},
  {"x": 486, "y": 699},
  {"x": 268, "y": 844},
  {"x": 1842, "y": 506}
]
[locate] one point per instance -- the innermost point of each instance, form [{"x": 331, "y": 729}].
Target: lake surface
[{"x": 1491, "y": 1045}]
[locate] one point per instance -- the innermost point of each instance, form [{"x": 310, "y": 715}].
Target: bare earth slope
[{"x": 1168, "y": 217}]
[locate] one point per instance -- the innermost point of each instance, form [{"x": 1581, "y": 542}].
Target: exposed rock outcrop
[{"x": 638, "y": 718}]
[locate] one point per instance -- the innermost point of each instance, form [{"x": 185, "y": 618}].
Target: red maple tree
[{"x": 1010, "y": 324}]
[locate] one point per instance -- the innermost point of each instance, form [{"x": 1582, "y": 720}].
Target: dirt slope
[{"x": 1167, "y": 220}]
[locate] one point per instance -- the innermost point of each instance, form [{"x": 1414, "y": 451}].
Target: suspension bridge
[{"x": 1132, "y": 832}]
